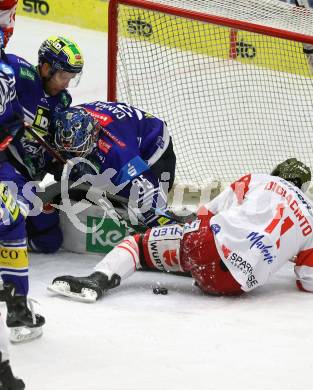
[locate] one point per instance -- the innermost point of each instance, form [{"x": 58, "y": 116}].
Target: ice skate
[
  {"x": 7, "y": 380},
  {"x": 86, "y": 289},
  {"x": 24, "y": 324}
]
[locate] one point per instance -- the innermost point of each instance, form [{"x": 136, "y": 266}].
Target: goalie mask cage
[{"x": 229, "y": 77}]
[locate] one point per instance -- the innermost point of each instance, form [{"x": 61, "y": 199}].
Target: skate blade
[
  {"x": 62, "y": 288},
  {"x": 23, "y": 334}
]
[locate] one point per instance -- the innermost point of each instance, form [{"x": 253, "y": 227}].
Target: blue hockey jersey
[
  {"x": 131, "y": 141},
  {"x": 13, "y": 251},
  {"x": 38, "y": 108},
  {"x": 9, "y": 104}
]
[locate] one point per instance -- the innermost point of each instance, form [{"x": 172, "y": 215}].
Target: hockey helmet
[
  {"x": 75, "y": 132},
  {"x": 62, "y": 54},
  {"x": 294, "y": 171}
]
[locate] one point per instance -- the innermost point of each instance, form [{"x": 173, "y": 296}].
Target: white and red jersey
[
  {"x": 7, "y": 17},
  {"x": 239, "y": 239},
  {"x": 260, "y": 222}
]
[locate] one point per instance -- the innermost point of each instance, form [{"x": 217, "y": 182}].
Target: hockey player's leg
[
  {"x": 119, "y": 264},
  {"x": 86, "y": 289},
  {"x": 43, "y": 231},
  {"x": 14, "y": 267},
  {"x": 24, "y": 323},
  {"x": 7, "y": 379}
]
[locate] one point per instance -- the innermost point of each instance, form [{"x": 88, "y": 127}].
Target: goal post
[{"x": 230, "y": 79}]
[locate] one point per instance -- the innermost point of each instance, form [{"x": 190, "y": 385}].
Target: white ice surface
[{"x": 135, "y": 340}]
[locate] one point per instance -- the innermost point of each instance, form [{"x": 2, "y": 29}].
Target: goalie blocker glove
[{"x": 86, "y": 289}]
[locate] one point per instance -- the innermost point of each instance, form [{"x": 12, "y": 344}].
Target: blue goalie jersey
[{"x": 130, "y": 141}]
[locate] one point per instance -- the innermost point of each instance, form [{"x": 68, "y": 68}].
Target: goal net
[{"x": 229, "y": 77}]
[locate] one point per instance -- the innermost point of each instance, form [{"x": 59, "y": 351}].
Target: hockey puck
[{"x": 160, "y": 290}]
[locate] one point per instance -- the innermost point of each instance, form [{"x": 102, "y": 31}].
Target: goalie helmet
[
  {"x": 62, "y": 54},
  {"x": 294, "y": 171},
  {"x": 75, "y": 132}
]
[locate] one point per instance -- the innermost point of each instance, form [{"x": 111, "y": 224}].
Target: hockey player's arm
[
  {"x": 304, "y": 270},
  {"x": 233, "y": 194},
  {"x": 147, "y": 201},
  {"x": 9, "y": 129},
  {"x": 11, "y": 113},
  {"x": 7, "y": 21}
]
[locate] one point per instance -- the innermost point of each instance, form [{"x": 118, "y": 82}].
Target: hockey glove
[
  {"x": 82, "y": 168},
  {"x": 9, "y": 130}
]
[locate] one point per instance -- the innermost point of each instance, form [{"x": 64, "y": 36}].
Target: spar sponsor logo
[
  {"x": 256, "y": 241},
  {"x": 241, "y": 264}
]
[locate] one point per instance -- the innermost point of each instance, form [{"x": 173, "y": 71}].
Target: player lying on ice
[
  {"x": 237, "y": 241},
  {"x": 133, "y": 144}
]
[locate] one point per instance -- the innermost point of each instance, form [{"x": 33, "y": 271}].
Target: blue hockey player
[
  {"x": 40, "y": 91},
  {"x": 13, "y": 210},
  {"x": 7, "y": 14},
  {"x": 135, "y": 144}
]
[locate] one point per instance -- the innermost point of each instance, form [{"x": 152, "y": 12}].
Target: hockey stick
[
  {"x": 55, "y": 189},
  {"x": 46, "y": 145}
]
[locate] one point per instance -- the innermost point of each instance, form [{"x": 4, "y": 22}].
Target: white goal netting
[{"x": 235, "y": 99}]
